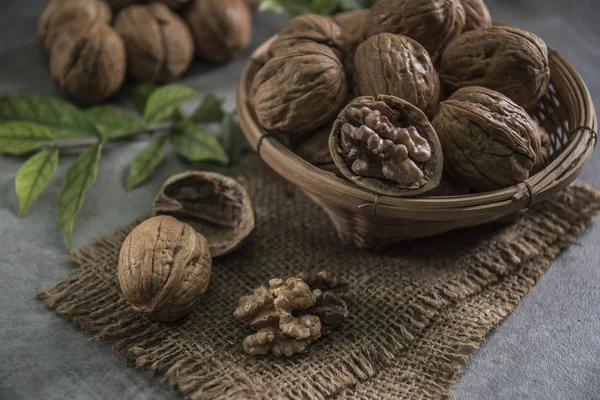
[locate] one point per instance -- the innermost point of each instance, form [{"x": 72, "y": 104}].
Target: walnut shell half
[
  {"x": 489, "y": 141},
  {"x": 215, "y": 205},
  {"x": 509, "y": 60},
  {"x": 387, "y": 146},
  {"x": 164, "y": 268}
]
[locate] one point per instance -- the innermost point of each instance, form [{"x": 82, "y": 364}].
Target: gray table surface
[{"x": 549, "y": 348}]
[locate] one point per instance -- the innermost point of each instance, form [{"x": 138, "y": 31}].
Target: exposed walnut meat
[
  {"x": 477, "y": 15},
  {"x": 489, "y": 141},
  {"x": 433, "y": 23},
  {"x": 323, "y": 280},
  {"x": 300, "y": 91},
  {"x": 387, "y": 146},
  {"x": 309, "y": 28},
  {"x": 289, "y": 315},
  {"x": 509, "y": 60},
  {"x": 398, "y": 66},
  {"x": 544, "y": 151}
]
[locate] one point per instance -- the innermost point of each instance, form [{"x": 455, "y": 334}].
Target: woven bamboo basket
[{"x": 369, "y": 221}]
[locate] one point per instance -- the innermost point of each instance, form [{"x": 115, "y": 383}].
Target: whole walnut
[
  {"x": 477, "y": 15},
  {"x": 399, "y": 66},
  {"x": 221, "y": 28},
  {"x": 355, "y": 27},
  {"x": 300, "y": 91},
  {"x": 59, "y": 12},
  {"x": 509, "y": 60},
  {"x": 489, "y": 141},
  {"x": 433, "y": 23},
  {"x": 309, "y": 28},
  {"x": 160, "y": 47},
  {"x": 388, "y": 146},
  {"x": 314, "y": 148},
  {"x": 88, "y": 61},
  {"x": 164, "y": 268},
  {"x": 545, "y": 149}
]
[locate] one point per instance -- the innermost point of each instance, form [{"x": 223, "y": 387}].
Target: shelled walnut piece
[
  {"x": 164, "y": 268},
  {"x": 289, "y": 314},
  {"x": 160, "y": 47},
  {"x": 388, "y": 146}
]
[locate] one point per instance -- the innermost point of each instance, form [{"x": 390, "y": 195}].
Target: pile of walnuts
[
  {"x": 408, "y": 98},
  {"x": 93, "y": 45}
]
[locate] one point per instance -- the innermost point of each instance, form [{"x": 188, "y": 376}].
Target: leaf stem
[{"x": 161, "y": 130}]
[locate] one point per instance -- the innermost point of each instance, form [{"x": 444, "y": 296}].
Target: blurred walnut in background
[
  {"x": 477, "y": 15},
  {"x": 160, "y": 47}
]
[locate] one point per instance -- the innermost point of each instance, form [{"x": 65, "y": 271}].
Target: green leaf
[
  {"x": 62, "y": 119},
  {"x": 145, "y": 162},
  {"x": 163, "y": 102},
  {"x": 114, "y": 123},
  {"x": 210, "y": 110},
  {"x": 234, "y": 141},
  {"x": 80, "y": 177},
  {"x": 140, "y": 94},
  {"x": 195, "y": 144},
  {"x": 33, "y": 177},
  {"x": 22, "y": 137}
]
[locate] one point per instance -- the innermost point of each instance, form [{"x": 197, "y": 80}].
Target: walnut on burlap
[{"x": 417, "y": 311}]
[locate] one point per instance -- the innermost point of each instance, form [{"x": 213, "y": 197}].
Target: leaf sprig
[{"x": 50, "y": 126}]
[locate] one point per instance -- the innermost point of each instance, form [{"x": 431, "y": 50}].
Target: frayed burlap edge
[{"x": 553, "y": 226}]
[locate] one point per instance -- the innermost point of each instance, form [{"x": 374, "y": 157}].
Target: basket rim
[{"x": 560, "y": 173}]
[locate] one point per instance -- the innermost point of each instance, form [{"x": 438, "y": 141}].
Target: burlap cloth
[{"x": 416, "y": 311}]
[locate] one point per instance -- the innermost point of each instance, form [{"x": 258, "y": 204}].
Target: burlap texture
[{"x": 416, "y": 311}]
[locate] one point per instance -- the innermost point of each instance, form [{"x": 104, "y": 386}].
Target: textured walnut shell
[
  {"x": 309, "y": 28},
  {"x": 545, "y": 149},
  {"x": 477, "y": 15},
  {"x": 509, "y": 60},
  {"x": 221, "y": 28},
  {"x": 215, "y": 205},
  {"x": 433, "y": 23},
  {"x": 355, "y": 27},
  {"x": 489, "y": 141},
  {"x": 314, "y": 148},
  {"x": 88, "y": 61},
  {"x": 59, "y": 12},
  {"x": 160, "y": 47},
  {"x": 164, "y": 268},
  {"x": 395, "y": 152},
  {"x": 300, "y": 91},
  {"x": 398, "y": 66}
]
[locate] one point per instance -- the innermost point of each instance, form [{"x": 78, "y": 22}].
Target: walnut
[
  {"x": 88, "y": 61},
  {"x": 489, "y": 141},
  {"x": 213, "y": 204},
  {"x": 300, "y": 91},
  {"x": 309, "y": 28},
  {"x": 477, "y": 15},
  {"x": 503, "y": 58},
  {"x": 164, "y": 268},
  {"x": 544, "y": 149},
  {"x": 315, "y": 149},
  {"x": 59, "y": 12},
  {"x": 387, "y": 146},
  {"x": 399, "y": 66},
  {"x": 355, "y": 27},
  {"x": 289, "y": 315},
  {"x": 221, "y": 28},
  {"x": 160, "y": 47},
  {"x": 433, "y": 23}
]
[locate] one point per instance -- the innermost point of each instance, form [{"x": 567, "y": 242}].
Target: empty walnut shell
[
  {"x": 509, "y": 60},
  {"x": 88, "y": 61},
  {"x": 160, "y": 47},
  {"x": 489, "y": 141},
  {"x": 215, "y": 205},
  {"x": 388, "y": 146},
  {"x": 433, "y": 23},
  {"x": 309, "y": 28},
  {"x": 396, "y": 65},
  {"x": 164, "y": 268},
  {"x": 477, "y": 15},
  {"x": 300, "y": 91},
  {"x": 59, "y": 12},
  {"x": 221, "y": 28}
]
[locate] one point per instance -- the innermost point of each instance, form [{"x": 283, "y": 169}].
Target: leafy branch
[{"x": 50, "y": 127}]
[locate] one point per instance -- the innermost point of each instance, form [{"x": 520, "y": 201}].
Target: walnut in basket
[
  {"x": 387, "y": 146},
  {"x": 477, "y": 15},
  {"x": 489, "y": 142}
]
